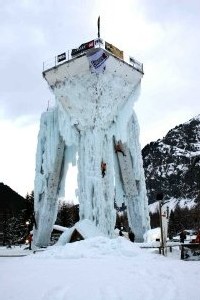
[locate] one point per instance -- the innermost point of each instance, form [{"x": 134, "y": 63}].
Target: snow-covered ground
[{"x": 99, "y": 269}]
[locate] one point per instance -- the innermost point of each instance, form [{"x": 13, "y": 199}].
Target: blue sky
[{"x": 164, "y": 35}]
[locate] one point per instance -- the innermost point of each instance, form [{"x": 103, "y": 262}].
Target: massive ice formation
[{"x": 93, "y": 113}]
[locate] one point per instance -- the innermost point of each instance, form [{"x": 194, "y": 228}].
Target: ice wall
[
  {"x": 49, "y": 160},
  {"x": 96, "y": 194},
  {"x": 93, "y": 111}
]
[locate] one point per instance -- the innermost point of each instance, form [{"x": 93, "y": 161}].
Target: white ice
[{"x": 92, "y": 111}]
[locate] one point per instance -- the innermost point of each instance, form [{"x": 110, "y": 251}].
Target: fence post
[{"x": 182, "y": 252}]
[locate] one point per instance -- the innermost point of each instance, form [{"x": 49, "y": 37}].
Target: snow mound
[
  {"x": 152, "y": 235},
  {"x": 96, "y": 247}
]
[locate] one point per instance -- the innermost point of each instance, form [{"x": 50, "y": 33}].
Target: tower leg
[
  {"x": 50, "y": 155},
  {"x": 134, "y": 193}
]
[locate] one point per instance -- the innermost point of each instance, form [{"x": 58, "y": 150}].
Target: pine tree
[
  {"x": 15, "y": 227},
  {"x": 16, "y": 230},
  {"x": 172, "y": 230},
  {"x": 154, "y": 219},
  {"x": 68, "y": 214}
]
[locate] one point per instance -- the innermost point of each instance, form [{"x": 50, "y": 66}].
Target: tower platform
[{"x": 92, "y": 82}]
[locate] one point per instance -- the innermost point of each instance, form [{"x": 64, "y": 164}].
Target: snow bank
[
  {"x": 93, "y": 248},
  {"x": 152, "y": 234},
  {"x": 99, "y": 269}
]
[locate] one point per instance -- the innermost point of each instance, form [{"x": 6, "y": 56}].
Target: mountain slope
[
  {"x": 10, "y": 200},
  {"x": 172, "y": 164}
]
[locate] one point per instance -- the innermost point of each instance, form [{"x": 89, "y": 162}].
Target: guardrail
[{"x": 96, "y": 43}]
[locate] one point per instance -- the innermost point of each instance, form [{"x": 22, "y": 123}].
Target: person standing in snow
[
  {"x": 120, "y": 233},
  {"x": 131, "y": 235},
  {"x": 197, "y": 240},
  {"x": 30, "y": 238},
  {"x": 182, "y": 236}
]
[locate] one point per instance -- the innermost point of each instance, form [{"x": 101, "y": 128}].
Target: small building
[{"x": 80, "y": 231}]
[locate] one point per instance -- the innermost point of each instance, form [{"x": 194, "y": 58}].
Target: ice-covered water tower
[{"x": 93, "y": 119}]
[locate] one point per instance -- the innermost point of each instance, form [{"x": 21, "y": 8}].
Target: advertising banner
[
  {"x": 61, "y": 57},
  {"x": 136, "y": 64},
  {"x": 97, "y": 61},
  {"x": 114, "y": 50},
  {"x": 83, "y": 48}
]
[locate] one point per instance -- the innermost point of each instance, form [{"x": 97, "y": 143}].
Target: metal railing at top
[{"x": 96, "y": 43}]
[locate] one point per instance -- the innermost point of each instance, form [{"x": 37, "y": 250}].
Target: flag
[
  {"x": 98, "y": 25},
  {"x": 97, "y": 61}
]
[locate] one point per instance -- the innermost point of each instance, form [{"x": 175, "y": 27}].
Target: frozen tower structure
[{"x": 93, "y": 126}]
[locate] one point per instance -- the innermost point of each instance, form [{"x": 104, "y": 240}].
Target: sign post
[{"x": 159, "y": 197}]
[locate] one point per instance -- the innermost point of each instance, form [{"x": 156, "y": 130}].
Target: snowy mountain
[{"x": 172, "y": 164}]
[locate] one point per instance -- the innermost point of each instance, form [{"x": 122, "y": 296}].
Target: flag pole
[{"x": 98, "y": 25}]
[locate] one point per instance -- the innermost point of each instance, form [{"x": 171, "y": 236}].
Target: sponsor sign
[
  {"x": 82, "y": 48},
  {"x": 61, "y": 57},
  {"x": 114, "y": 50},
  {"x": 98, "y": 41},
  {"x": 136, "y": 64},
  {"x": 97, "y": 61}
]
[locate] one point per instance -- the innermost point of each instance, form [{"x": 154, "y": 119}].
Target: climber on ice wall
[
  {"x": 103, "y": 169},
  {"x": 118, "y": 148}
]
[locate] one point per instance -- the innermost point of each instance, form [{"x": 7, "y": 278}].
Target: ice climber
[
  {"x": 118, "y": 148},
  {"x": 103, "y": 168}
]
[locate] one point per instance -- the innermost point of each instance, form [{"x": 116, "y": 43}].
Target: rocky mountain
[{"x": 172, "y": 164}]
